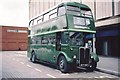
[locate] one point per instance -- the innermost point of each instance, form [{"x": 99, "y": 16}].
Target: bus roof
[
  {"x": 60, "y": 4},
  {"x": 74, "y": 3}
]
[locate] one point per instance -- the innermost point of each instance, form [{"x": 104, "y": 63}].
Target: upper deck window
[
  {"x": 73, "y": 10},
  {"x": 61, "y": 10},
  {"x": 40, "y": 19},
  {"x": 86, "y": 12},
  {"x": 53, "y": 13},
  {"x": 46, "y": 17}
]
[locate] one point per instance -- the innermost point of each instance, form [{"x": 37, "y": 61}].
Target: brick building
[
  {"x": 13, "y": 38},
  {"x": 107, "y": 20}
]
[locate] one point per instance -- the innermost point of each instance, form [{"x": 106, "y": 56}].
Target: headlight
[
  {"x": 74, "y": 56},
  {"x": 91, "y": 56},
  {"x": 71, "y": 49}
]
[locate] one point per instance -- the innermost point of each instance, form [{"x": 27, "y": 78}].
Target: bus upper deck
[{"x": 70, "y": 16}]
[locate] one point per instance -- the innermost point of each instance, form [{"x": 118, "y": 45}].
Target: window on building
[
  {"x": 22, "y": 31},
  {"x": 11, "y": 30}
]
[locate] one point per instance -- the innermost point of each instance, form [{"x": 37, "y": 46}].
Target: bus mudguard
[
  {"x": 69, "y": 60},
  {"x": 95, "y": 57}
]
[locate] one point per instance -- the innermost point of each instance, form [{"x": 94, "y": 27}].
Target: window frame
[{"x": 59, "y": 8}]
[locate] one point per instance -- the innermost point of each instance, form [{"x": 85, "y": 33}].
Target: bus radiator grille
[{"x": 84, "y": 55}]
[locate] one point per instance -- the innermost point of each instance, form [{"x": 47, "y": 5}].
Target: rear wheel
[{"x": 63, "y": 65}]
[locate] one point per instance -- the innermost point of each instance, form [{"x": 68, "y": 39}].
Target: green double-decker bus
[{"x": 64, "y": 36}]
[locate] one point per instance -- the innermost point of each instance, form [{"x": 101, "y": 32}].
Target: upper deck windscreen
[{"x": 78, "y": 11}]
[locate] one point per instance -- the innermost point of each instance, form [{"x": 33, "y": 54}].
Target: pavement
[{"x": 109, "y": 65}]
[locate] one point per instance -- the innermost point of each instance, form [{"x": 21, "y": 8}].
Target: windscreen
[
  {"x": 81, "y": 22},
  {"x": 75, "y": 38},
  {"x": 86, "y": 12},
  {"x": 74, "y": 10}
]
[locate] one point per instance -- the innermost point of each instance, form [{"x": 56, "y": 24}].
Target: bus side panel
[{"x": 52, "y": 24}]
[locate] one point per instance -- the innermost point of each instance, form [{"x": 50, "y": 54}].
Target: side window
[
  {"x": 39, "y": 19},
  {"x": 44, "y": 40},
  {"x": 61, "y": 10},
  {"x": 33, "y": 40},
  {"x": 31, "y": 23},
  {"x": 51, "y": 40},
  {"x": 53, "y": 13},
  {"x": 38, "y": 40},
  {"x": 35, "y": 21},
  {"x": 46, "y": 17}
]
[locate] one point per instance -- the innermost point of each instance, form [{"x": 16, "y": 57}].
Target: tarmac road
[{"x": 16, "y": 64}]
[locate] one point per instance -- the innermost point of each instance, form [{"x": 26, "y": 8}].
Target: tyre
[
  {"x": 33, "y": 57},
  {"x": 93, "y": 66},
  {"x": 63, "y": 65}
]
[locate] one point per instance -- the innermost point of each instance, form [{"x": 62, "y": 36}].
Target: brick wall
[{"x": 14, "y": 38}]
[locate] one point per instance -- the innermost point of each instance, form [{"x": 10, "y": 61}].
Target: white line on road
[
  {"x": 17, "y": 60},
  {"x": 96, "y": 77},
  {"x": 13, "y": 59},
  {"x": 65, "y": 74},
  {"x": 38, "y": 70},
  {"x": 102, "y": 77},
  {"x": 51, "y": 76},
  {"x": 28, "y": 66},
  {"x": 56, "y": 70},
  {"x": 22, "y": 62}
]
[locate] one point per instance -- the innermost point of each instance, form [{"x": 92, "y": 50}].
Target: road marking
[
  {"x": 28, "y": 66},
  {"x": 96, "y": 77},
  {"x": 17, "y": 60},
  {"x": 56, "y": 70},
  {"x": 76, "y": 73},
  {"x": 13, "y": 59},
  {"x": 90, "y": 77},
  {"x": 65, "y": 74},
  {"x": 108, "y": 77},
  {"x": 38, "y": 70},
  {"x": 102, "y": 77},
  {"x": 22, "y": 62},
  {"x": 51, "y": 76}
]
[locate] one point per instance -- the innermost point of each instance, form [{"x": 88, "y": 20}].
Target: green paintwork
[
  {"x": 47, "y": 52},
  {"x": 95, "y": 56}
]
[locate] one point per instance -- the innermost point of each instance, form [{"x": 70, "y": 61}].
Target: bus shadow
[
  {"x": 77, "y": 70},
  {"x": 46, "y": 64}
]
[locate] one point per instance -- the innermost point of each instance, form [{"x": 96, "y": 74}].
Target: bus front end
[{"x": 80, "y": 36}]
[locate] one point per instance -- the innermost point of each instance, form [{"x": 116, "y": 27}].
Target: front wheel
[
  {"x": 93, "y": 66},
  {"x": 63, "y": 65}
]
